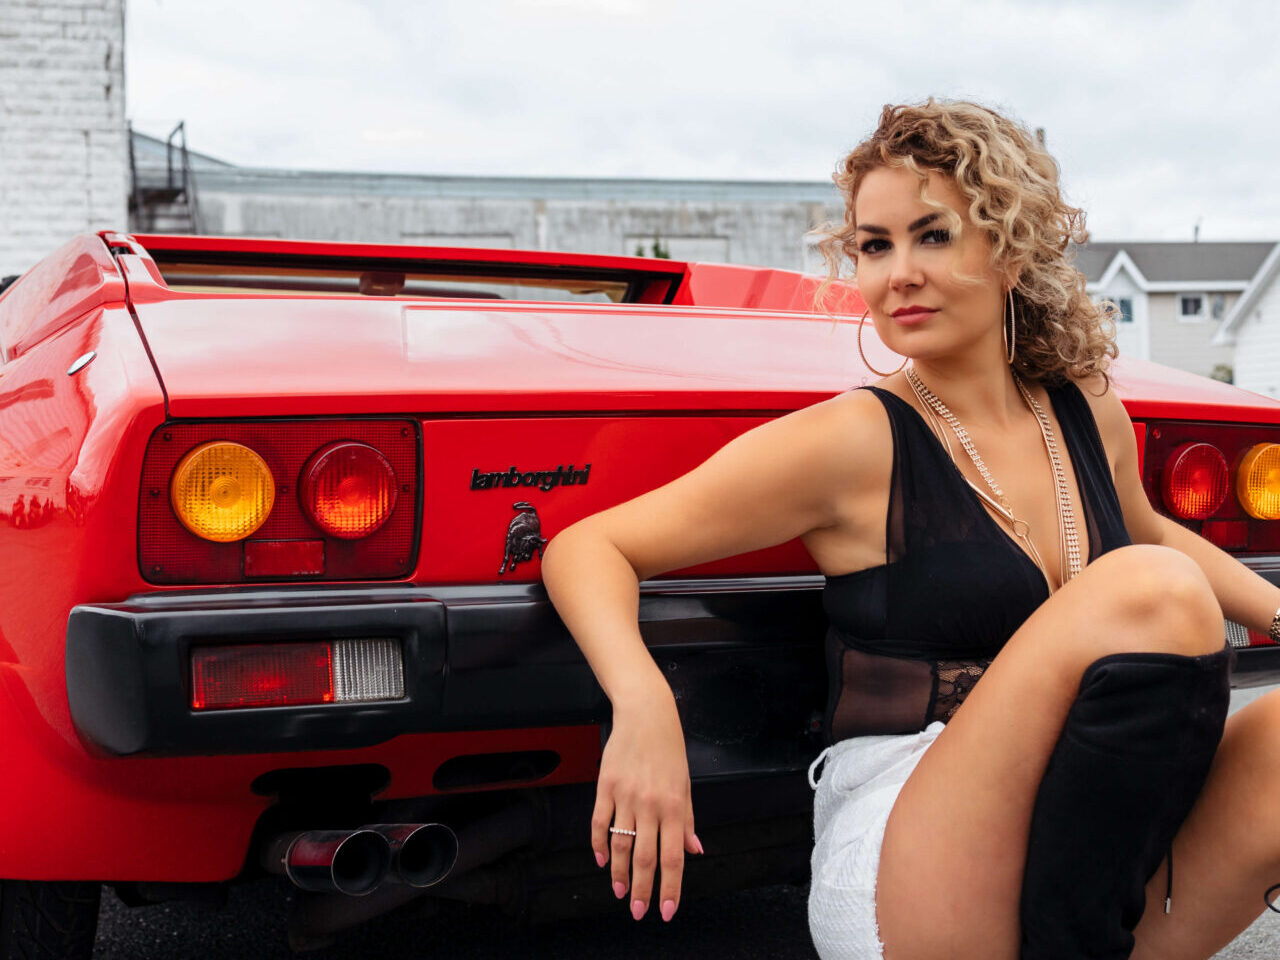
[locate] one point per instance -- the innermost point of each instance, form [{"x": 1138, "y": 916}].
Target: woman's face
[{"x": 916, "y": 276}]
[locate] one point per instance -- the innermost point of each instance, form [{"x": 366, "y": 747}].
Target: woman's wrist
[{"x": 643, "y": 689}]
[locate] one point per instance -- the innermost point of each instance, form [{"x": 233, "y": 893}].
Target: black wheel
[{"x": 48, "y": 921}]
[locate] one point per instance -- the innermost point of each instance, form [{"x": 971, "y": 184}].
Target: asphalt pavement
[
  {"x": 765, "y": 923},
  {"x": 753, "y": 925}
]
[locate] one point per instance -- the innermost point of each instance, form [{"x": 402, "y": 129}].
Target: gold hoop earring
[
  {"x": 867, "y": 363},
  {"x": 1011, "y": 335}
]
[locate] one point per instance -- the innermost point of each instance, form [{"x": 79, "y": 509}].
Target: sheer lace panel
[
  {"x": 873, "y": 694},
  {"x": 952, "y": 681}
]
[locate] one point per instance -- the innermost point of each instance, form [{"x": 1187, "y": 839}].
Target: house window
[
  {"x": 1126, "y": 309},
  {"x": 1191, "y": 307},
  {"x": 1218, "y": 306}
]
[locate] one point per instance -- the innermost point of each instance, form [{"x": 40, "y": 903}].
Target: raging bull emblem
[{"x": 524, "y": 535}]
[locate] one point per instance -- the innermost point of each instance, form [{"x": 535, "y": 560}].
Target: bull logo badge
[{"x": 524, "y": 535}]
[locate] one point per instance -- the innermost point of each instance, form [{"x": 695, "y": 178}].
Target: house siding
[
  {"x": 1186, "y": 346},
  {"x": 1257, "y": 348}
]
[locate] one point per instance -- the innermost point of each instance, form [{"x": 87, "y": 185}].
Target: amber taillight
[
  {"x": 254, "y": 501},
  {"x": 1258, "y": 481}
]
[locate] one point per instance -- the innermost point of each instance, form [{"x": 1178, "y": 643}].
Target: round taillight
[
  {"x": 222, "y": 491},
  {"x": 1195, "y": 480},
  {"x": 348, "y": 490},
  {"x": 1258, "y": 481}
]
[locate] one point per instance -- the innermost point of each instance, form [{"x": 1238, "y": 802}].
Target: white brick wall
[{"x": 64, "y": 161}]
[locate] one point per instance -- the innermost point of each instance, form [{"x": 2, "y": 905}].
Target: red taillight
[
  {"x": 1195, "y": 480},
  {"x": 293, "y": 674},
  {"x": 261, "y": 675},
  {"x": 348, "y": 490}
]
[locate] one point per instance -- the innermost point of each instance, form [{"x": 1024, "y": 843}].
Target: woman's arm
[
  {"x": 1244, "y": 596},
  {"x": 767, "y": 486}
]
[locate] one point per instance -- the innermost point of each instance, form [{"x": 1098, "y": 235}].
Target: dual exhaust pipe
[{"x": 354, "y": 862}]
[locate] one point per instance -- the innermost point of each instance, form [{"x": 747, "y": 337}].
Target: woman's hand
[{"x": 644, "y": 786}]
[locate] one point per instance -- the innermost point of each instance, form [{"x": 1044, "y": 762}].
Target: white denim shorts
[{"x": 860, "y": 781}]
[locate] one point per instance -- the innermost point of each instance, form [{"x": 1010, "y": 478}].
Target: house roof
[{"x": 1178, "y": 262}]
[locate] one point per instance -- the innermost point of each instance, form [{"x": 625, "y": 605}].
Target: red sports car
[{"x": 271, "y": 516}]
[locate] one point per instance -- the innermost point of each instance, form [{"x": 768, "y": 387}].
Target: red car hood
[{"x": 230, "y": 357}]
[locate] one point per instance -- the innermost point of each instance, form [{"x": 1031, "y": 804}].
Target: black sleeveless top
[{"x": 910, "y": 637}]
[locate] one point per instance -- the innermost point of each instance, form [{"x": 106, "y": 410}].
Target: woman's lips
[{"x": 910, "y": 316}]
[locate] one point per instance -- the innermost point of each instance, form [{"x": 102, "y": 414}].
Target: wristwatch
[{"x": 1274, "y": 631}]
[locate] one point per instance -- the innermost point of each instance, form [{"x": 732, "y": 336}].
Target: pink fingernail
[
  {"x": 601, "y": 859},
  {"x": 637, "y": 908},
  {"x": 668, "y": 910},
  {"x": 698, "y": 843},
  {"x": 619, "y": 889}
]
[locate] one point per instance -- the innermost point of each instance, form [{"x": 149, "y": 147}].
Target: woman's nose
[{"x": 905, "y": 272}]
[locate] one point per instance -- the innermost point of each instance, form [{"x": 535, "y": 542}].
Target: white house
[
  {"x": 1252, "y": 328},
  {"x": 1178, "y": 300}
]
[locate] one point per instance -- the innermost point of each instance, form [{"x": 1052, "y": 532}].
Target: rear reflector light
[
  {"x": 1258, "y": 481},
  {"x": 295, "y": 674},
  {"x": 283, "y": 558},
  {"x": 1195, "y": 480},
  {"x": 348, "y": 490},
  {"x": 1227, "y": 534}
]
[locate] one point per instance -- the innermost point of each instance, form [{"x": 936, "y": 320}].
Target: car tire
[{"x": 48, "y": 921}]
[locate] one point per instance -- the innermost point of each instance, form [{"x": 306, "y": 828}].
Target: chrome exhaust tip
[
  {"x": 331, "y": 861},
  {"x": 422, "y": 854}
]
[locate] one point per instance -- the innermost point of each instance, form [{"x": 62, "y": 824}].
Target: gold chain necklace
[{"x": 1068, "y": 536}]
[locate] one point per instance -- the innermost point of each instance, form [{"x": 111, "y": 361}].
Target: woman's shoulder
[
  {"x": 1114, "y": 425},
  {"x": 854, "y": 427}
]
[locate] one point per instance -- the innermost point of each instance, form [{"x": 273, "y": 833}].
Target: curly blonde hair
[{"x": 1011, "y": 184}]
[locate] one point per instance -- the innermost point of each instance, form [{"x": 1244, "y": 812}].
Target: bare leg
[
  {"x": 955, "y": 845},
  {"x": 1228, "y": 851}
]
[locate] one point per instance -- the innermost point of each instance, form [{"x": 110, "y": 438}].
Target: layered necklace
[{"x": 1068, "y": 538}]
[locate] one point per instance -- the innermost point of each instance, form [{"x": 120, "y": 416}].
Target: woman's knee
[
  {"x": 1164, "y": 595},
  {"x": 1251, "y": 736}
]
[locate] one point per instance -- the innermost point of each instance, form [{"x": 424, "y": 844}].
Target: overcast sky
[{"x": 1162, "y": 114}]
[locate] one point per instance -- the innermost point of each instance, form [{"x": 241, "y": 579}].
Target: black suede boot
[{"x": 1130, "y": 762}]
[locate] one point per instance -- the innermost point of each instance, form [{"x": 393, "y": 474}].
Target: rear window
[{"x": 404, "y": 280}]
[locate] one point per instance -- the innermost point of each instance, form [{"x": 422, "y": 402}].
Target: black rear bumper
[{"x": 743, "y": 657}]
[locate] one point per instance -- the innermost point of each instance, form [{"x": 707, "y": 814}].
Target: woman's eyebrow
[{"x": 912, "y": 227}]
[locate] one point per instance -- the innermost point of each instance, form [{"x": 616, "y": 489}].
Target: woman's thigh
[
  {"x": 955, "y": 846},
  {"x": 1227, "y": 853}
]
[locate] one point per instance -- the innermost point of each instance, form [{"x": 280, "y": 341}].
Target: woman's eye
[
  {"x": 938, "y": 236},
  {"x": 874, "y": 245}
]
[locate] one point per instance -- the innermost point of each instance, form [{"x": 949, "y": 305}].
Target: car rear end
[
  {"x": 307, "y": 634},
  {"x": 335, "y": 630}
]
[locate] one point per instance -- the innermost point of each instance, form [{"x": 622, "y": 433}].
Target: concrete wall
[
  {"x": 734, "y": 223},
  {"x": 1182, "y": 344},
  {"x": 63, "y": 147}
]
